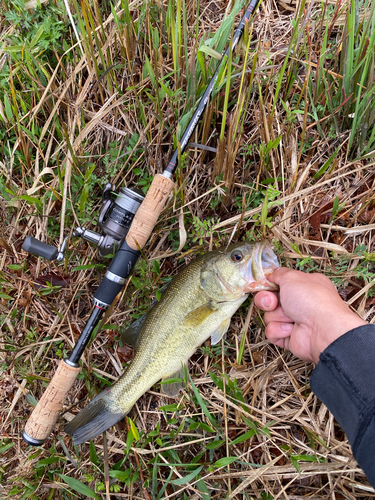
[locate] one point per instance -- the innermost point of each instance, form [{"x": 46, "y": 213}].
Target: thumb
[
  {"x": 267, "y": 301},
  {"x": 279, "y": 274}
]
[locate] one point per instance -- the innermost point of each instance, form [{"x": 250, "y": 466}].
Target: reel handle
[
  {"x": 44, "y": 416},
  {"x": 36, "y": 247},
  {"x": 148, "y": 213}
]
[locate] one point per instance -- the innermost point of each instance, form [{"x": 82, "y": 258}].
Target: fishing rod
[{"x": 127, "y": 222}]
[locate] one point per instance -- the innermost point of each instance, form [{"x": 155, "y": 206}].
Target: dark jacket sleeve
[{"x": 344, "y": 379}]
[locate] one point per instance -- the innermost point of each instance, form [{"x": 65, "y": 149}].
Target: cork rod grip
[
  {"x": 147, "y": 215},
  {"x": 44, "y": 417}
]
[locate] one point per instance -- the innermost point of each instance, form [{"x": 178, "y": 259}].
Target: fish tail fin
[{"x": 94, "y": 419}]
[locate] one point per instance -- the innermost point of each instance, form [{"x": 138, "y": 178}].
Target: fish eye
[{"x": 236, "y": 256}]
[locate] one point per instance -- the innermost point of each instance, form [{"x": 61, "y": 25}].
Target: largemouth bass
[{"x": 198, "y": 303}]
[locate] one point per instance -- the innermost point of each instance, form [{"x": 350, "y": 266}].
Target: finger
[
  {"x": 284, "y": 343},
  {"x": 267, "y": 301},
  {"x": 278, "y": 275},
  {"x": 278, "y": 330},
  {"x": 279, "y": 333},
  {"x": 277, "y": 315},
  {"x": 282, "y": 275}
]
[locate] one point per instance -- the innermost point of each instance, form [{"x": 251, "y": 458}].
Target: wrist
[{"x": 326, "y": 337}]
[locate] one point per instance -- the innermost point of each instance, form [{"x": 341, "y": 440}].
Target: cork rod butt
[
  {"x": 149, "y": 211},
  {"x": 43, "y": 419},
  {"x": 31, "y": 441}
]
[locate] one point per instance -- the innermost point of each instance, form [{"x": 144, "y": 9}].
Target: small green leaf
[
  {"x": 28, "y": 493},
  {"x": 133, "y": 429},
  {"x": 217, "y": 381},
  {"x": 266, "y": 496},
  {"x": 129, "y": 440},
  {"x": 8, "y": 108},
  {"x": 202, "y": 65},
  {"x": 188, "y": 477},
  {"x": 171, "y": 380},
  {"x": 203, "y": 404},
  {"x": 265, "y": 430},
  {"x": 156, "y": 267},
  {"x": 214, "y": 444},
  {"x": 336, "y": 205},
  {"x": 295, "y": 248},
  {"x": 205, "y": 427},
  {"x": 79, "y": 487},
  {"x": 46, "y": 461},
  {"x": 5, "y": 296},
  {"x": 15, "y": 48},
  {"x": 161, "y": 492},
  {"x": 121, "y": 475},
  {"x": 211, "y": 52},
  {"x": 241, "y": 349},
  {"x": 6, "y": 447},
  {"x": 295, "y": 463},
  {"x": 36, "y": 37},
  {"x": 14, "y": 267},
  {"x": 31, "y": 400},
  {"x": 137, "y": 283},
  {"x": 202, "y": 487},
  {"x": 30, "y": 199},
  {"x": 263, "y": 216},
  {"x": 171, "y": 407},
  {"x": 224, "y": 461},
  {"x": 250, "y": 423},
  {"x": 93, "y": 455},
  {"x": 321, "y": 171},
  {"x": 244, "y": 437},
  {"x": 150, "y": 72},
  {"x": 307, "y": 458}
]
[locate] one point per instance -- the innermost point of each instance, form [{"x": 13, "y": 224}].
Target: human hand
[{"x": 308, "y": 315}]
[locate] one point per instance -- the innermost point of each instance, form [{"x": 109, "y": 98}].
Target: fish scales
[{"x": 198, "y": 303}]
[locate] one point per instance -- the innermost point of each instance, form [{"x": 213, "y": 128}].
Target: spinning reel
[{"x": 115, "y": 218}]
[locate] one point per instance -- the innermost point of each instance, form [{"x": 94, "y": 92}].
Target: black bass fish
[{"x": 198, "y": 303}]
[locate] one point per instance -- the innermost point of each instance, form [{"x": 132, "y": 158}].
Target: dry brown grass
[{"x": 36, "y": 329}]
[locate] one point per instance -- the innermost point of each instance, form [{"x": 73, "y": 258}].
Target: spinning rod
[{"x": 126, "y": 223}]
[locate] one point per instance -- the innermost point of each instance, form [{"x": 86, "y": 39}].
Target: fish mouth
[{"x": 261, "y": 264}]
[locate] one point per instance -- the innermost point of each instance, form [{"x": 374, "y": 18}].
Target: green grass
[{"x": 292, "y": 123}]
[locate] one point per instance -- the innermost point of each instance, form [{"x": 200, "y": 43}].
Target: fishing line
[{"x": 126, "y": 221}]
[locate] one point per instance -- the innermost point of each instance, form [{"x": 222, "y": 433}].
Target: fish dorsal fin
[
  {"x": 197, "y": 316},
  {"x": 173, "y": 388},
  {"x": 219, "y": 333},
  {"x": 131, "y": 335}
]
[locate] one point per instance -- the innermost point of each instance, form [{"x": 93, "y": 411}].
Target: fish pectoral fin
[
  {"x": 94, "y": 419},
  {"x": 219, "y": 333},
  {"x": 173, "y": 387},
  {"x": 196, "y": 317}
]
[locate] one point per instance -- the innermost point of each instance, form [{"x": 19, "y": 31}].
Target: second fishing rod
[{"x": 127, "y": 222}]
